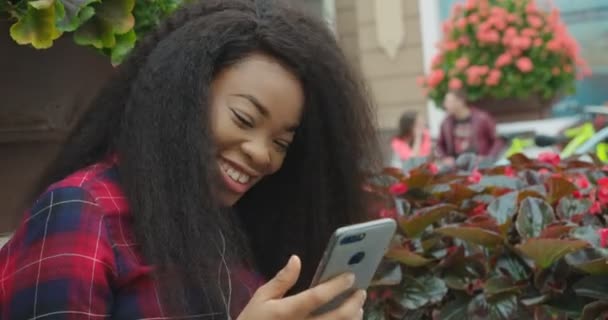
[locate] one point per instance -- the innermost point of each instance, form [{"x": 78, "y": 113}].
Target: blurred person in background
[
  {"x": 466, "y": 129},
  {"x": 413, "y": 139}
]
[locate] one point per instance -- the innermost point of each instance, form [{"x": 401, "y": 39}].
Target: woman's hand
[{"x": 269, "y": 303}]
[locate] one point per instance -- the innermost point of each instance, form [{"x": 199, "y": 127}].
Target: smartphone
[{"x": 357, "y": 248}]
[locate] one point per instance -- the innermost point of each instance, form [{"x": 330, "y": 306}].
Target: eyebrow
[{"x": 263, "y": 110}]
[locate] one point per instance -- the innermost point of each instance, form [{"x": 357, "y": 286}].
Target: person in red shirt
[
  {"x": 205, "y": 179},
  {"x": 466, "y": 129}
]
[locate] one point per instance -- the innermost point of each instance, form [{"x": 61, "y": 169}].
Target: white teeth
[{"x": 233, "y": 173}]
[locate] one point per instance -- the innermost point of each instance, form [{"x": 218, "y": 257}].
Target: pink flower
[
  {"x": 603, "y": 233},
  {"x": 503, "y": 60},
  {"x": 450, "y": 45},
  {"x": 398, "y": 189},
  {"x": 461, "y": 23},
  {"x": 480, "y": 209},
  {"x": 522, "y": 43},
  {"x": 475, "y": 177},
  {"x": 473, "y": 19},
  {"x": 568, "y": 69},
  {"x": 493, "y": 78},
  {"x": 489, "y": 36},
  {"x": 529, "y": 32},
  {"x": 455, "y": 84},
  {"x": 602, "y": 190},
  {"x": 538, "y": 42},
  {"x": 531, "y": 8},
  {"x": 436, "y": 77},
  {"x": 595, "y": 208},
  {"x": 511, "y": 32},
  {"x": 582, "y": 182},
  {"x": 437, "y": 60},
  {"x": 524, "y": 64},
  {"x": 535, "y": 21},
  {"x": 433, "y": 168},
  {"x": 464, "y": 40},
  {"x": 577, "y": 194},
  {"x": 509, "y": 172},
  {"x": 555, "y": 71},
  {"x": 554, "y": 45},
  {"x": 550, "y": 158},
  {"x": 462, "y": 63}
]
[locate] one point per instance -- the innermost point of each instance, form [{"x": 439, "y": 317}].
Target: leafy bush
[
  {"x": 520, "y": 241},
  {"x": 111, "y": 26}
]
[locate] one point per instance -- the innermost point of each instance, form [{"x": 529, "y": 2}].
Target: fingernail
[
  {"x": 350, "y": 279},
  {"x": 364, "y": 295}
]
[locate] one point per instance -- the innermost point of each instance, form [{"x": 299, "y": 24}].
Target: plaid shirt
[{"x": 74, "y": 256}]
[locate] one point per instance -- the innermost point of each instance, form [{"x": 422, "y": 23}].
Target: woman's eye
[
  {"x": 242, "y": 119},
  {"x": 282, "y": 146}
]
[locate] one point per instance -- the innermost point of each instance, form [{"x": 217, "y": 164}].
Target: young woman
[
  {"x": 233, "y": 138},
  {"x": 412, "y": 140}
]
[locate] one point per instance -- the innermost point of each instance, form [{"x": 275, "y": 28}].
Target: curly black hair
[{"x": 153, "y": 114}]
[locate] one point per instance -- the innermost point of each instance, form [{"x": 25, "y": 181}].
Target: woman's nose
[{"x": 258, "y": 152}]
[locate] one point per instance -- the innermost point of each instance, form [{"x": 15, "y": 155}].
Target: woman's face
[{"x": 256, "y": 105}]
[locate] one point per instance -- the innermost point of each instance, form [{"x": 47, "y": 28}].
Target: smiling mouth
[{"x": 233, "y": 173}]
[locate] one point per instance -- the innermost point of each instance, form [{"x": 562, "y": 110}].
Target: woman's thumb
[{"x": 278, "y": 286}]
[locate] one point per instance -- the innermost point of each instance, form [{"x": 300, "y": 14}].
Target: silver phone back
[{"x": 338, "y": 256}]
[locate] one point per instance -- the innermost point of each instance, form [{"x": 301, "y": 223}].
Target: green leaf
[
  {"x": 501, "y": 182},
  {"x": 534, "y": 215},
  {"x": 500, "y": 285},
  {"x": 503, "y": 208},
  {"x": 414, "y": 225},
  {"x": 569, "y": 207},
  {"x": 375, "y": 313},
  {"x": 112, "y": 17},
  {"x": 593, "y": 261},
  {"x": 593, "y": 287},
  {"x": 76, "y": 13},
  {"x": 595, "y": 310},
  {"x": 503, "y": 307},
  {"x": 588, "y": 233},
  {"x": 514, "y": 267},
  {"x": 418, "y": 292},
  {"x": 124, "y": 44},
  {"x": 407, "y": 257},
  {"x": 474, "y": 235},
  {"x": 37, "y": 25},
  {"x": 455, "y": 309},
  {"x": 559, "y": 188},
  {"x": 544, "y": 252}
]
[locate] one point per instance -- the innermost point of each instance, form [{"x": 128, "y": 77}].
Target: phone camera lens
[{"x": 356, "y": 258}]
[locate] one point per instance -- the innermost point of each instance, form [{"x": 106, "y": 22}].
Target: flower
[
  {"x": 462, "y": 63},
  {"x": 500, "y": 34},
  {"x": 603, "y": 233},
  {"x": 582, "y": 182},
  {"x": 550, "y": 158},
  {"x": 493, "y": 77},
  {"x": 433, "y": 168},
  {"x": 503, "y": 60},
  {"x": 509, "y": 172},
  {"x": 475, "y": 176},
  {"x": 455, "y": 84},
  {"x": 398, "y": 189},
  {"x": 524, "y": 64},
  {"x": 602, "y": 190},
  {"x": 479, "y": 209},
  {"x": 595, "y": 208},
  {"x": 435, "y": 78}
]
